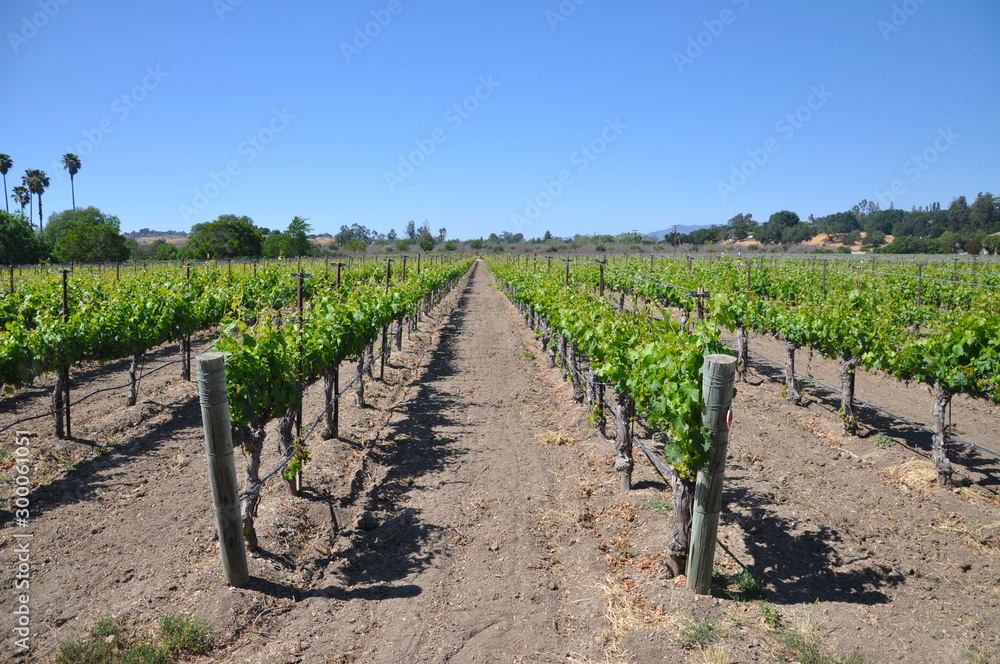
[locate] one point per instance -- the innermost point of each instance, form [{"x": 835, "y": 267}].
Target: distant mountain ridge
[{"x": 659, "y": 235}]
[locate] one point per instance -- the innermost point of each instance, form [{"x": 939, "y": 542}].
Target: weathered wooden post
[
  {"x": 920, "y": 283},
  {"x": 601, "y": 263},
  {"x": 65, "y": 372},
  {"x": 385, "y": 328},
  {"x": 11, "y": 279},
  {"x": 716, "y": 415},
  {"x": 221, "y": 466}
]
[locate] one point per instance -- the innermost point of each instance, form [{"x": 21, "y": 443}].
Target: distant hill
[
  {"x": 147, "y": 236},
  {"x": 659, "y": 235}
]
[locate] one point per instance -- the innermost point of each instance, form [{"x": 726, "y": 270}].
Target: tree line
[{"x": 921, "y": 230}]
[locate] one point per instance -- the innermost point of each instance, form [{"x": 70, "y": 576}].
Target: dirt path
[{"x": 452, "y": 562}]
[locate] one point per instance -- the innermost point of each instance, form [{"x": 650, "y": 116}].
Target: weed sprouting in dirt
[
  {"x": 658, "y": 506},
  {"x": 769, "y": 612},
  {"x": 795, "y": 646},
  {"x": 697, "y": 632},
  {"x": 115, "y": 641},
  {"x": 742, "y": 586},
  {"x": 184, "y": 634},
  {"x": 977, "y": 655},
  {"x": 882, "y": 441}
]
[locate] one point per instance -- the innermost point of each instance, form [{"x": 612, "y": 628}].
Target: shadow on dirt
[
  {"x": 802, "y": 566},
  {"x": 395, "y": 543},
  {"x": 91, "y": 477},
  {"x": 965, "y": 458}
]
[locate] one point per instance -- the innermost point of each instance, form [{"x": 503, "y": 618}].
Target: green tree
[
  {"x": 6, "y": 163},
  {"x": 873, "y": 239},
  {"x": 276, "y": 245},
  {"x": 92, "y": 243},
  {"x": 983, "y": 216},
  {"x": 298, "y": 237},
  {"x": 19, "y": 245},
  {"x": 63, "y": 222},
  {"x": 166, "y": 252},
  {"x": 228, "y": 236},
  {"x": 71, "y": 163},
  {"x": 356, "y": 244},
  {"x": 37, "y": 182},
  {"x": 22, "y": 197},
  {"x": 425, "y": 241},
  {"x": 773, "y": 229},
  {"x": 411, "y": 230},
  {"x": 958, "y": 214}
]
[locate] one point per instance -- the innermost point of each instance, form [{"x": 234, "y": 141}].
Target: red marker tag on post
[{"x": 729, "y": 418}]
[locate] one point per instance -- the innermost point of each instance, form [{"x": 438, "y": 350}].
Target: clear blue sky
[{"x": 158, "y": 97}]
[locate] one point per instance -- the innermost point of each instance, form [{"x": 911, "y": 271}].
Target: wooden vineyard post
[
  {"x": 222, "y": 466},
  {"x": 186, "y": 345},
  {"x": 65, "y": 372},
  {"x": 11, "y": 279},
  {"x": 566, "y": 281},
  {"x": 385, "y": 328},
  {"x": 717, "y": 399},
  {"x": 824, "y": 276},
  {"x": 920, "y": 282},
  {"x": 601, "y": 263}
]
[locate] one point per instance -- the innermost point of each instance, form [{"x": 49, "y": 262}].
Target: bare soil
[{"x": 468, "y": 513}]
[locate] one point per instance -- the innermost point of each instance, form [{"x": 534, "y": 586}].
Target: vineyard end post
[
  {"x": 222, "y": 466},
  {"x": 717, "y": 399}
]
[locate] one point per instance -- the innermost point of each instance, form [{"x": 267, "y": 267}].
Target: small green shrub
[
  {"x": 697, "y": 632},
  {"x": 883, "y": 441}
]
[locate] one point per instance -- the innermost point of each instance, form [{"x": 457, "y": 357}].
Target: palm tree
[
  {"x": 26, "y": 182},
  {"x": 37, "y": 182},
  {"x": 71, "y": 163},
  {"x": 22, "y": 197},
  {"x": 6, "y": 163}
]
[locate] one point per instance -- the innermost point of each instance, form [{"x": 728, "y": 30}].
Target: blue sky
[{"x": 518, "y": 116}]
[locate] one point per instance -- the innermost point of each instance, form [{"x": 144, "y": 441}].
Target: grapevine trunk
[
  {"x": 791, "y": 385},
  {"x": 942, "y": 437},
  {"x": 848, "y": 364},
  {"x": 623, "y": 443},
  {"x": 680, "y": 539}
]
